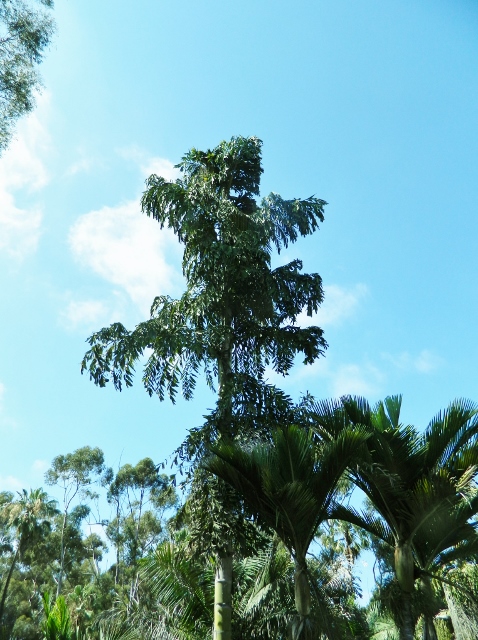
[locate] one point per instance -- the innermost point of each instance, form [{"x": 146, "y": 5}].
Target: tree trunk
[
  {"x": 59, "y": 584},
  {"x": 464, "y": 627},
  {"x": 407, "y": 626},
  {"x": 404, "y": 567},
  {"x": 432, "y": 607},
  {"x": 7, "y": 583},
  {"x": 222, "y": 598},
  {"x": 429, "y": 631},
  {"x": 223, "y": 581},
  {"x": 301, "y": 628}
]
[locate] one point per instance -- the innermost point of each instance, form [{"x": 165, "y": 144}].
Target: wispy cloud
[
  {"x": 39, "y": 467},
  {"x": 425, "y": 362},
  {"x": 150, "y": 164},
  {"x": 364, "y": 378},
  {"x": 22, "y": 168},
  {"x": 354, "y": 379},
  {"x": 339, "y": 303},
  {"x": 10, "y": 483},
  {"x": 88, "y": 313},
  {"x": 128, "y": 250},
  {"x": 338, "y": 379},
  {"x": 83, "y": 312},
  {"x": 82, "y": 165}
]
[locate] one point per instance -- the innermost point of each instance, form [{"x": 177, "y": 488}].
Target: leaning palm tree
[
  {"x": 29, "y": 516},
  {"x": 421, "y": 487},
  {"x": 290, "y": 485}
]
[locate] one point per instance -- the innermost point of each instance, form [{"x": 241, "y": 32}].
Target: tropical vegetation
[{"x": 262, "y": 539}]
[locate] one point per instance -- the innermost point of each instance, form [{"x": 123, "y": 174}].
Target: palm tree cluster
[
  {"x": 420, "y": 489},
  {"x": 265, "y": 544},
  {"x": 260, "y": 466}
]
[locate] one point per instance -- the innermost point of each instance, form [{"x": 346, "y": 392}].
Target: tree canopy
[{"x": 25, "y": 33}]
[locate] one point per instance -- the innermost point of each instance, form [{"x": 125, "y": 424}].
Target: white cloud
[
  {"x": 148, "y": 165},
  {"x": 353, "y": 379},
  {"x": 10, "y": 483},
  {"x": 83, "y": 165},
  {"x": 161, "y": 167},
  {"x": 334, "y": 380},
  {"x": 40, "y": 466},
  {"x": 425, "y": 362},
  {"x": 128, "y": 250},
  {"x": 83, "y": 312},
  {"x": 22, "y": 167},
  {"x": 339, "y": 303},
  {"x": 86, "y": 314}
]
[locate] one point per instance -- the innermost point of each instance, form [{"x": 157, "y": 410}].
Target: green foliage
[
  {"x": 422, "y": 489},
  {"x": 57, "y": 624},
  {"x": 140, "y": 496},
  {"x": 178, "y": 593},
  {"x": 290, "y": 483},
  {"x": 75, "y": 473},
  {"x": 236, "y": 308},
  {"x": 25, "y": 32},
  {"x": 461, "y": 593},
  {"x": 77, "y": 469}
]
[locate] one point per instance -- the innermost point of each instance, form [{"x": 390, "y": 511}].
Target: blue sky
[{"x": 370, "y": 105}]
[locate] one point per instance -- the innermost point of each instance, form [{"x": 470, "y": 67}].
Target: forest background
[{"x": 368, "y": 106}]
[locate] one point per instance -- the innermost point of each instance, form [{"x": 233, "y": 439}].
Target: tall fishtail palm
[
  {"x": 421, "y": 486},
  {"x": 237, "y": 314},
  {"x": 290, "y": 485}
]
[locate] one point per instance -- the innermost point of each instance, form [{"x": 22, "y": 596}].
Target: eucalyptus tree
[
  {"x": 421, "y": 486},
  {"x": 140, "y": 495},
  {"x": 75, "y": 473},
  {"x": 237, "y": 314},
  {"x": 25, "y": 32},
  {"x": 291, "y": 484}
]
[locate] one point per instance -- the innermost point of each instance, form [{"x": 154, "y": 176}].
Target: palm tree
[
  {"x": 290, "y": 485},
  {"x": 420, "y": 485},
  {"x": 57, "y": 623},
  {"x": 178, "y": 594},
  {"x": 30, "y": 517},
  {"x": 237, "y": 315}
]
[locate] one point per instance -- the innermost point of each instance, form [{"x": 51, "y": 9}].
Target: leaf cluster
[
  {"x": 25, "y": 32},
  {"x": 236, "y": 309}
]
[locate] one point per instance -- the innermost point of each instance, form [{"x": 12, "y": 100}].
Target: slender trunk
[
  {"x": 117, "y": 542},
  {"x": 222, "y": 598},
  {"x": 223, "y": 581},
  {"x": 406, "y": 626},
  {"x": 429, "y": 630},
  {"x": 7, "y": 583},
  {"x": 300, "y": 627},
  {"x": 404, "y": 572},
  {"x": 463, "y": 626},
  {"x": 301, "y": 589},
  {"x": 59, "y": 584}
]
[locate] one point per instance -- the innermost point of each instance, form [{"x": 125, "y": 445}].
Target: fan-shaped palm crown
[
  {"x": 290, "y": 485},
  {"x": 421, "y": 484}
]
